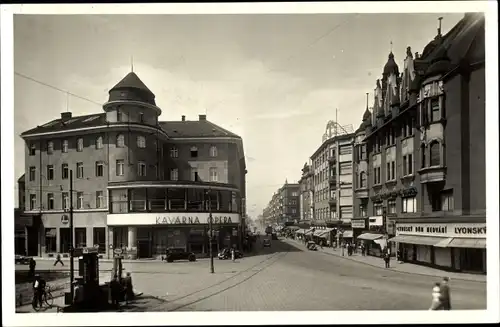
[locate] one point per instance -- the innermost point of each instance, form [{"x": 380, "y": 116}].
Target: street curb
[{"x": 398, "y": 271}]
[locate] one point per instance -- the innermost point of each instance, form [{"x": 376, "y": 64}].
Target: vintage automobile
[
  {"x": 225, "y": 254},
  {"x": 311, "y": 246},
  {"x": 21, "y": 259},
  {"x": 174, "y": 254}
]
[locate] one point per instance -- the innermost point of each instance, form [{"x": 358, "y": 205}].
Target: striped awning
[
  {"x": 471, "y": 243},
  {"x": 370, "y": 236}
]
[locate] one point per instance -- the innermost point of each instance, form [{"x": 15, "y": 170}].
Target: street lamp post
[{"x": 210, "y": 227}]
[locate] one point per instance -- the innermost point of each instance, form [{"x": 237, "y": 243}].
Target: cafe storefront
[
  {"x": 454, "y": 246},
  {"x": 148, "y": 235}
]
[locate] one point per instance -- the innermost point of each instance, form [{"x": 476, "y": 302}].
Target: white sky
[{"x": 273, "y": 79}]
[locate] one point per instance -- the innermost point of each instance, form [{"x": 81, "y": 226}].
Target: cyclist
[{"x": 39, "y": 288}]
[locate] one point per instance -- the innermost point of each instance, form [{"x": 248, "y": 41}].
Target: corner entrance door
[{"x": 144, "y": 249}]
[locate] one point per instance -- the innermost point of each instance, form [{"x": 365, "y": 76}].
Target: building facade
[
  {"x": 306, "y": 193},
  {"x": 332, "y": 175},
  {"x": 284, "y": 205},
  {"x": 140, "y": 184},
  {"x": 425, "y": 181}
]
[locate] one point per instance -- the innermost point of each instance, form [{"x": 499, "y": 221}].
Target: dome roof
[
  {"x": 133, "y": 89},
  {"x": 391, "y": 66}
]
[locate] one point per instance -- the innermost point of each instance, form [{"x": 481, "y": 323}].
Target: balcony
[
  {"x": 332, "y": 201},
  {"x": 432, "y": 174},
  {"x": 332, "y": 180}
]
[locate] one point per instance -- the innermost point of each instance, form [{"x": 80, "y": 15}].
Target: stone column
[{"x": 132, "y": 242}]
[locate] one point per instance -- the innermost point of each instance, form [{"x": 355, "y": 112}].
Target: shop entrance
[{"x": 144, "y": 249}]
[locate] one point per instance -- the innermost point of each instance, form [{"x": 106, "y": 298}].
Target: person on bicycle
[{"x": 39, "y": 288}]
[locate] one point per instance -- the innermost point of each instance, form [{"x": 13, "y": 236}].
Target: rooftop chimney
[
  {"x": 65, "y": 116},
  {"x": 203, "y": 117},
  {"x": 183, "y": 118}
]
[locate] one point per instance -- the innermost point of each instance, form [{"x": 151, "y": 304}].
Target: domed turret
[{"x": 131, "y": 88}]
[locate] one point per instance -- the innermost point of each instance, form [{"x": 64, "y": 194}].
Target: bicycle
[{"x": 47, "y": 298}]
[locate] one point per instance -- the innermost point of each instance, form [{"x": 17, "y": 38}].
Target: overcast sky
[{"x": 273, "y": 79}]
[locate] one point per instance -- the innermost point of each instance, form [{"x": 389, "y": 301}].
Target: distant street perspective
[{"x": 168, "y": 164}]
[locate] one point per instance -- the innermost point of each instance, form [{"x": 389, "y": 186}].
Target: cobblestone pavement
[{"x": 315, "y": 281}]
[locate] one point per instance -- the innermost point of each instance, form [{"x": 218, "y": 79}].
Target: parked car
[
  {"x": 266, "y": 243},
  {"x": 174, "y": 254},
  {"x": 226, "y": 254},
  {"x": 21, "y": 259}
]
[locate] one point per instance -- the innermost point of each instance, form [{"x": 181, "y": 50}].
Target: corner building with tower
[{"x": 140, "y": 184}]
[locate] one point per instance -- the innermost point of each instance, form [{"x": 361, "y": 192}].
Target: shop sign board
[
  {"x": 465, "y": 230},
  {"x": 172, "y": 218},
  {"x": 358, "y": 223},
  {"x": 376, "y": 221}
]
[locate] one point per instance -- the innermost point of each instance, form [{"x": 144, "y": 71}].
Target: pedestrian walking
[
  {"x": 58, "y": 259},
  {"x": 387, "y": 259},
  {"x": 363, "y": 250},
  {"x": 115, "y": 289},
  {"x": 445, "y": 293},
  {"x": 32, "y": 264},
  {"x": 436, "y": 303}
]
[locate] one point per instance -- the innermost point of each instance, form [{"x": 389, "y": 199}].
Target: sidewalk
[
  {"x": 111, "y": 260},
  {"x": 407, "y": 268}
]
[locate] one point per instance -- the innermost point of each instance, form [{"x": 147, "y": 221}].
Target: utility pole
[
  {"x": 210, "y": 227},
  {"x": 71, "y": 240}
]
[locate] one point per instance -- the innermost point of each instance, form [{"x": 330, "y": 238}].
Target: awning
[
  {"x": 318, "y": 232},
  {"x": 471, "y": 243},
  {"x": 293, "y": 228},
  {"x": 347, "y": 234},
  {"x": 420, "y": 240},
  {"x": 51, "y": 232},
  {"x": 307, "y": 232},
  {"x": 370, "y": 236},
  {"x": 299, "y": 231}
]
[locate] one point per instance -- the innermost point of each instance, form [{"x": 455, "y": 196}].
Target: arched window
[
  {"x": 422, "y": 155},
  {"x": 362, "y": 179},
  {"x": 141, "y": 142},
  {"x": 120, "y": 141},
  {"x": 98, "y": 142},
  {"x": 213, "y": 151},
  {"x": 435, "y": 154}
]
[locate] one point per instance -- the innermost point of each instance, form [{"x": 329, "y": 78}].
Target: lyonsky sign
[
  {"x": 471, "y": 230},
  {"x": 172, "y": 218}
]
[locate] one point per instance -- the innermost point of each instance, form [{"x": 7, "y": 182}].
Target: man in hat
[{"x": 445, "y": 293}]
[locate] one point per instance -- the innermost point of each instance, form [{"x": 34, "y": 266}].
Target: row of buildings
[
  {"x": 139, "y": 184},
  {"x": 412, "y": 176}
]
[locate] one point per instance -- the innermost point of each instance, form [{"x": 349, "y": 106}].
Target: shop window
[
  {"x": 447, "y": 201},
  {"x": 32, "y": 149},
  {"x": 409, "y": 204},
  {"x": 391, "y": 206},
  {"x": 100, "y": 238},
  {"x": 50, "y": 147},
  {"x": 80, "y": 237},
  {"x": 64, "y": 171},
  {"x": 79, "y": 170},
  {"x": 32, "y": 173},
  {"x": 64, "y": 239},
  {"x": 435, "y": 154},
  {"x": 79, "y": 144},
  {"x": 50, "y": 240},
  {"x": 99, "y": 143}
]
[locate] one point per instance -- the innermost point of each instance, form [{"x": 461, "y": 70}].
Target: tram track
[{"x": 256, "y": 268}]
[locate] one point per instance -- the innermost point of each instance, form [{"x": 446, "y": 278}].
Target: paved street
[{"x": 285, "y": 277}]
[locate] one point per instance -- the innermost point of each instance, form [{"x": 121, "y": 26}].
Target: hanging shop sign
[
  {"x": 470, "y": 230},
  {"x": 172, "y": 219},
  {"x": 64, "y": 219},
  {"x": 376, "y": 221}
]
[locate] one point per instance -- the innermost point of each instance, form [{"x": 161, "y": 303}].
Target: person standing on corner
[
  {"x": 387, "y": 259},
  {"x": 445, "y": 293}
]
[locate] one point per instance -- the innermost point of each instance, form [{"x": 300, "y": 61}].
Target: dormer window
[{"x": 194, "y": 152}]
